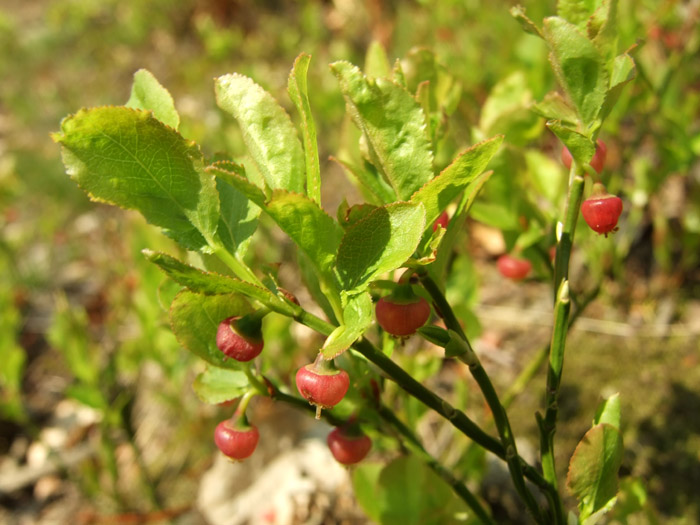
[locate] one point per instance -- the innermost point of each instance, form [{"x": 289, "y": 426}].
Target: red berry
[
  {"x": 602, "y": 210},
  {"x": 235, "y": 344},
  {"x": 513, "y": 267},
  {"x": 442, "y": 220},
  {"x": 324, "y": 388},
  {"x": 236, "y": 443},
  {"x": 347, "y": 448},
  {"x": 401, "y": 317},
  {"x": 597, "y": 162}
]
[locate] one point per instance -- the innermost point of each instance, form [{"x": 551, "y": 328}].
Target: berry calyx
[
  {"x": 597, "y": 162},
  {"x": 240, "y": 338},
  {"x": 322, "y": 384},
  {"x": 602, "y": 210},
  {"x": 442, "y": 220},
  {"x": 403, "y": 312},
  {"x": 513, "y": 267},
  {"x": 236, "y": 442},
  {"x": 348, "y": 447}
]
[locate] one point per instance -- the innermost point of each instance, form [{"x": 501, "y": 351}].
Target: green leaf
[
  {"x": 394, "y": 125},
  {"x": 267, "y": 130},
  {"x": 365, "y": 480},
  {"x": 217, "y": 385},
  {"x": 357, "y": 316},
  {"x": 88, "y": 395},
  {"x": 376, "y": 62},
  {"x": 349, "y": 215},
  {"x": 592, "y": 476},
  {"x": 311, "y": 228},
  {"x": 147, "y": 93},
  {"x": 235, "y": 176},
  {"x": 580, "y": 146},
  {"x": 518, "y": 12},
  {"x": 128, "y": 158},
  {"x": 576, "y": 11},
  {"x": 602, "y": 29},
  {"x": 298, "y": 92},
  {"x": 238, "y": 220},
  {"x": 371, "y": 181},
  {"x": 381, "y": 242},
  {"x": 210, "y": 283},
  {"x": 406, "y": 492},
  {"x": 623, "y": 72},
  {"x": 440, "y": 191},
  {"x": 195, "y": 318},
  {"x": 609, "y": 411},
  {"x": 579, "y": 67},
  {"x": 554, "y": 107}
]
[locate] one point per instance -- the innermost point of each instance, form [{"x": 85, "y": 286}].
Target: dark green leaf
[
  {"x": 267, "y": 131},
  {"x": 238, "y": 219},
  {"x": 147, "y": 93},
  {"x": 381, "y": 242},
  {"x": 128, "y": 158},
  {"x": 298, "y": 92},
  {"x": 235, "y": 176},
  {"x": 394, "y": 126}
]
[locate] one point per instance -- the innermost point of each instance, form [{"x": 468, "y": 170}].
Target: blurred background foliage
[{"x": 84, "y": 316}]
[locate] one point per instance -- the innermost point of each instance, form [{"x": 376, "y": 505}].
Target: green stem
[
  {"x": 499, "y": 414},
  {"x": 402, "y": 378},
  {"x": 239, "y": 269},
  {"x": 417, "y": 448},
  {"x": 565, "y": 239}
]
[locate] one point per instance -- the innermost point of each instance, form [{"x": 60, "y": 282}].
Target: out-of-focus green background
[{"x": 86, "y": 356}]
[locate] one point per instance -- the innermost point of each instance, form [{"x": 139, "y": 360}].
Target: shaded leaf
[
  {"x": 357, "y": 316},
  {"x": 381, "y": 242},
  {"x": 218, "y": 385},
  {"x": 210, "y": 283},
  {"x": 581, "y": 147},
  {"x": 195, "y": 318},
  {"x": 592, "y": 476},
  {"x": 371, "y": 181}
]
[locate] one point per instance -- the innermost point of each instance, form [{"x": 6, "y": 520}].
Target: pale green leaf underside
[
  {"x": 394, "y": 125},
  {"x": 195, "y": 318},
  {"x": 379, "y": 243},
  {"x": 357, "y": 316},
  {"x": 147, "y": 93},
  {"x": 218, "y": 385},
  {"x": 440, "y": 191},
  {"x": 128, "y": 158},
  {"x": 267, "y": 130}
]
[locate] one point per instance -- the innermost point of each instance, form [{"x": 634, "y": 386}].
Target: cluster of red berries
[{"x": 320, "y": 383}]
